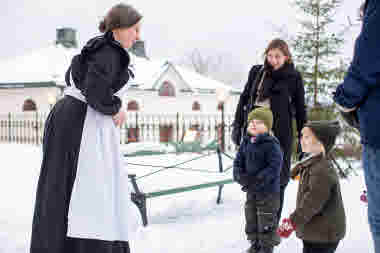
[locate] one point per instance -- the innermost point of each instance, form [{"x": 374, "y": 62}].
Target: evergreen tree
[
  {"x": 318, "y": 57},
  {"x": 317, "y": 48}
]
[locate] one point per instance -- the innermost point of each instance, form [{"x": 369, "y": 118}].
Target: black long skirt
[{"x": 61, "y": 145}]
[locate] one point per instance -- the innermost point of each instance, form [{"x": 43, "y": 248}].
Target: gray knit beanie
[{"x": 326, "y": 132}]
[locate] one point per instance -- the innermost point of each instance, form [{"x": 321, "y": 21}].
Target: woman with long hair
[{"x": 279, "y": 86}]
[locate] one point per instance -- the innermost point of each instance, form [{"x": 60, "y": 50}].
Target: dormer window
[{"x": 166, "y": 90}]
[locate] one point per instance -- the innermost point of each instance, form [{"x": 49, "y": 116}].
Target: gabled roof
[{"x": 149, "y": 72}]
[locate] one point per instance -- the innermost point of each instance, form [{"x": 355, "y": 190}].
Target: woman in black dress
[
  {"x": 83, "y": 192},
  {"x": 278, "y": 85}
]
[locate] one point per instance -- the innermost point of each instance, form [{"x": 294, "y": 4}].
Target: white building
[{"x": 36, "y": 81}]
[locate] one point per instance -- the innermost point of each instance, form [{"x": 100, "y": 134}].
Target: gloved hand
[
  {"x": 363, "y": 197},
  {"x": 286, "y": 228},
  {"x": 351, "y": 118}
]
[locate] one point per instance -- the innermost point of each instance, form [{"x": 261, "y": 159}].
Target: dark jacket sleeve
[
  {"x": 102, "y": 70},
  {"x": 363, "y": 73},
  {"x": 299, "y": 103},
  {"x": 245, "y": 96},
  {"x": 240, "y": 174},
  {"x": 313, "y": 201},
  {"x": 274, "y": 158}
]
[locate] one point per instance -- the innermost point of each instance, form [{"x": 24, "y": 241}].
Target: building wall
[
  {"x": 151, "y": 102},
  {"x": 12, "y": 100}
]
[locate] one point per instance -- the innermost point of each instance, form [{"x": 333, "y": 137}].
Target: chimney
[
  {"x": 66, "y": 37},
  {"x": 138, "y": 49}
]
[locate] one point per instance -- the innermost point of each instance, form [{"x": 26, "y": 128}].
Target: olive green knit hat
[{"x": 264, "y": 114}]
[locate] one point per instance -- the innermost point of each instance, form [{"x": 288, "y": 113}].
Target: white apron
[{"x": 100, "y": 200}]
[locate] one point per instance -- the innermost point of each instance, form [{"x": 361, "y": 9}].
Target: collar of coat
[
  {"x": 286, "y": 71},
  {"x": 304, "y": 163},
  {"x": 260, "y": 138},
  {"x": 98, "y": 42}
]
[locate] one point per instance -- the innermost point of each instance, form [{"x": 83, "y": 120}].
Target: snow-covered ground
[{"x": 185, "y": 222}]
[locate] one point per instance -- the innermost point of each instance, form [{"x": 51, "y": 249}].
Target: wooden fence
[{"x": 28, "y": 127}]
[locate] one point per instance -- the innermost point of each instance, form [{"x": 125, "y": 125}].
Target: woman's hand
[{"x": 119, "y": 118}]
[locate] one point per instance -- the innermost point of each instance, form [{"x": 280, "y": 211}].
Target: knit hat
[
  {"x": 326, "y": 132},
  {"x": 264, "y": 114}
]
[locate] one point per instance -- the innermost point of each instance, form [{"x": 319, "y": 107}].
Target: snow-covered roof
[
  {"x": 44, "y": 65},
  {"x": 199, "y": 82},
  {"x": 147, "y": 72},
  {"x": 49, "y": 65}
]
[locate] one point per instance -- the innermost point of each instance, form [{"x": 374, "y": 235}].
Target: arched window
[
  {"x": 29, "y": 105},
  {"x": 220, "y": 106},
  {"x": 196, "y": 106},
  {"x": 166, "y": 90},
  {"x": 133, "y": 106}
]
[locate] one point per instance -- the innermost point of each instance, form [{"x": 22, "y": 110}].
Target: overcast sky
[{"x": 171, "y": 28}]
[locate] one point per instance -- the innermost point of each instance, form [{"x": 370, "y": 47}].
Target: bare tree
[
  {"x": 201, "y": 63},
  {"x": 219, "y": 66}
]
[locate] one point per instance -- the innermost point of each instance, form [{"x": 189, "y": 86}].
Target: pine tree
[
  {"x": 316, "y": 48},
  {"x": 317, "y": 55}
]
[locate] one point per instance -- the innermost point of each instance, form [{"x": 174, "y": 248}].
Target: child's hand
[
  {"x": 119, "y": 118},
  {"x": 286, "y": 228}
]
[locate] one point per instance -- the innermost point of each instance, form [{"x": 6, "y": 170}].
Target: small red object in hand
[
  {"x": 363, "y": 197},
  {"x": 286, "y": 228}
]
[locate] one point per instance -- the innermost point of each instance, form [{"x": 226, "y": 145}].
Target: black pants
[
  {"x": 261, "y": 218},
  {"x": 312, "y": 247}
]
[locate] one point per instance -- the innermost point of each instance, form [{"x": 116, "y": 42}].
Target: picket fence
[{"x": 28, "y": 127}]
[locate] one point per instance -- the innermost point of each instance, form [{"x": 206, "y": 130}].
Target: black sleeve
[
  {"x": 101, "y": 72},
  {"x": 240, "y": 174},
  {"x": 244, "y": 97},
  {"x": 299, "y": 102}
]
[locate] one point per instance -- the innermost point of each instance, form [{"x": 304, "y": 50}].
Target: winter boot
[{"x": 254, "y": 248}]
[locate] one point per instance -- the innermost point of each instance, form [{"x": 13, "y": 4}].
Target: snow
[
  {"x": 184, "y": 222},
  {"x": 146, "y": 71},
  {"x": 42, "y": 65}
]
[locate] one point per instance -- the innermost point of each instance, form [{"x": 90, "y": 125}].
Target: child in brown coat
[{"x": 319, "y": 218}]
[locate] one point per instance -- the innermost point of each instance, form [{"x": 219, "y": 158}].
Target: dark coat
[
  {"x": 99, "y": 71},
  {"x": 286, "y": 91},
  {"x": 257, "y": 164},
  {"x": 361, "y": 86},
  {"x": 319, "y": 214},
  {"x": 102, "y": 71}
]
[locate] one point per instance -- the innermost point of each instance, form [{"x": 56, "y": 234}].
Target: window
[
  {"x": 166, "y": 90},
  {"x": 133, "y": 106},
  {"x": 220, "y": 106},
  {"x": 29, "y": 105},
  {"x": 196, "y": 106}
]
